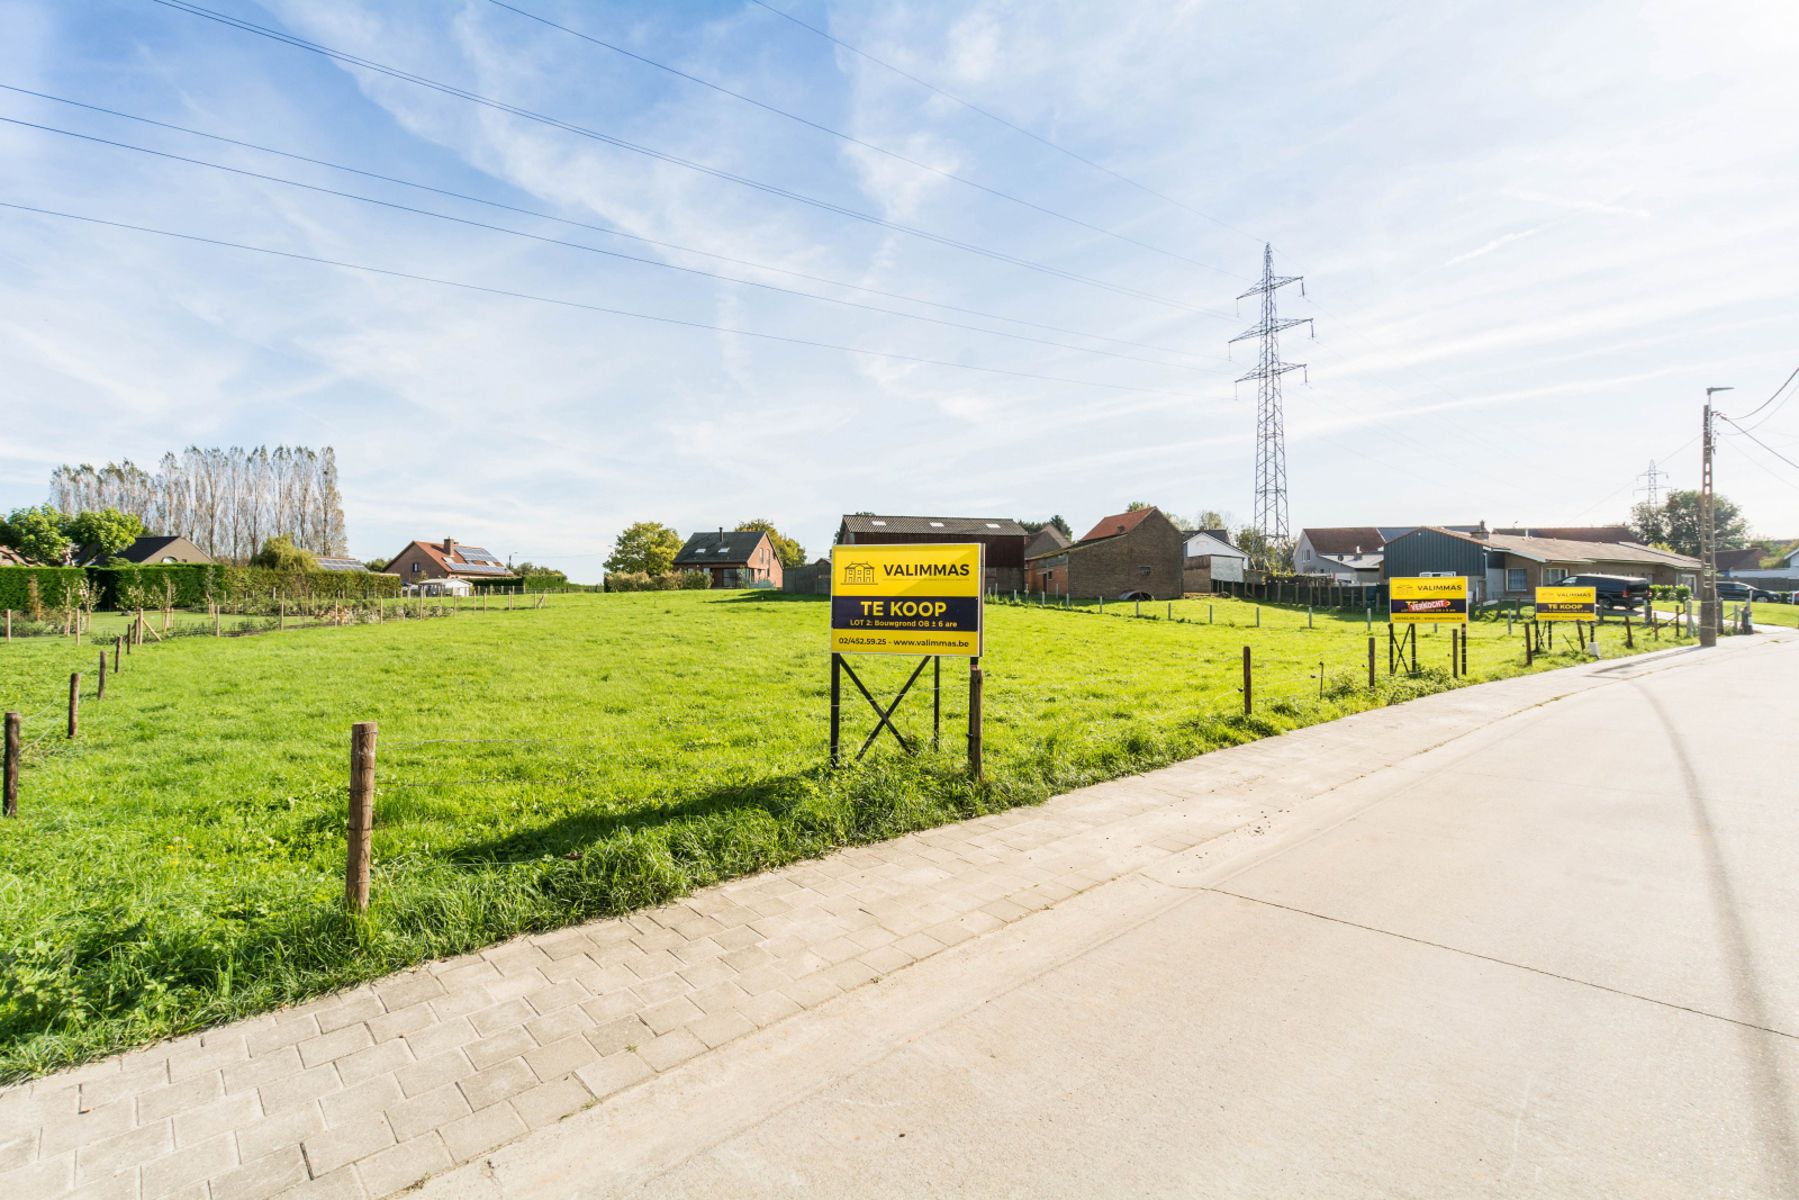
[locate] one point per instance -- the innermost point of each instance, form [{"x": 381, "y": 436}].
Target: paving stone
[
  {"x": 329, "y": 1046},
  {"x": 223, "y": 1117},
  {"x": 718, "y": 1028},
  {"x": 769, "y": 1007},
  {"x": 663, "y": 987},
  {"x": 299, "y": 1089},
  {"x": 123, "y": 1151},
  {"x": 510, "y": 1043},
  {"x": 433, "y": 1040},
  {"x": 764, "y": 979},
  {"x": 18, "y": 1149},
  {"x": 548, "y": 1103},
  {"x": 278, "y": 1132},
  {"x": 353, "y": 1009},
  {"x": 887, "y": 959},
  {"x": 437, "y": 1107},
  {"x": 670, "y": 1014},
  {"x": 671, "y": 1049},
  {"x": 192, "y": 1164},
  {"x": 557, "y": 996},
  {"x": 401, "y": 1022},
  {"x": 462, "y": 1002},
  {"x": 227, "y": 1050},
  {"x": 614, "y": 1073},
  {"x": 284, "y": 1033},
  {"x": 365, "y": 1100},
  {"x": 565, "y": 1023},
  {"x": 50, "y": 1177},
  {"x": 560, "y": 1058},
  {"x": 403, "y": 1165},
  {"x": 491, "y": 1020},
  {"x": 605, "y": 1008},
  {"x": 383, "y": 1059},
  {"x": 851, "y": 974},
  {"x": 122, "y": 1186},
  {"x": 497, "y": 1083},
  {"x": 619, "y": 1034},
  {"x": 340, "y": 1184},
  {"x": 270, "y": 1175},
  {"x": 810, "y": 990},
  {"x": 141, "y": 1078},
  {"x": 405, "y": 991},
  {"x": 433, "y": 1072},
  {"x": 481, "y": 1131},
  {"x": 67, "y": 1132},
  {"x": 263, "y": 1070},
  {"x": 334, "y": 1148}
]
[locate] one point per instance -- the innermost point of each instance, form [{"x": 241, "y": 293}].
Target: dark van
[{"x": 1625, "y": 592}]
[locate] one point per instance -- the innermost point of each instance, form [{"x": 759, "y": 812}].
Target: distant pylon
[
  {"x": 1271, "y": 435},
  {"x": 1652, "y": 484}
]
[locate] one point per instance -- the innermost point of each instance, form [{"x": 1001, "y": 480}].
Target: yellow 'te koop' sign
[
  {"x": 1567, "y": 603},
  {"x": 1429, "y": 599},
  {"x": 907, "y": 599}
]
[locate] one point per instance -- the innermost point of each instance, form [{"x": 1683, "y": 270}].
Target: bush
[{"x": 638, "y": 581}]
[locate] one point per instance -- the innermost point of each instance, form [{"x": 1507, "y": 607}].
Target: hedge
[
  {"x": 52, "y": 585},
  {"x": 193, "y": 583},
  {"x": 673, "y": 581}
]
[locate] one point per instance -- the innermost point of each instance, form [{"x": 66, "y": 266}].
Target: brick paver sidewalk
[{"x": 366, "y": 1092}]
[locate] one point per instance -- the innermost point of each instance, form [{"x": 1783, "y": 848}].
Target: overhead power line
[
  {"x": 544, "y": 215},
  {"x": 759, "y": 185},
  {"x": 1771, "y": 450},
  {"x": 657, "y": 263},
  {"x": 562, "y": 302},
  {"x": 852, "y": 139},
  {"x": 1770, "y": 400},
  {"x": 999, "y": 120}
]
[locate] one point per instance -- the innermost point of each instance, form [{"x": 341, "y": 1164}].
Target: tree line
[{"x": 229, "y": 502}]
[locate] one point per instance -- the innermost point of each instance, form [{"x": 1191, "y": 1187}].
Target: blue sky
[{"x": 1532, "y": 234}]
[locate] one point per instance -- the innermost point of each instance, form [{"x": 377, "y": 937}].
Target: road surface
[{"x": 1557, "y": 955}]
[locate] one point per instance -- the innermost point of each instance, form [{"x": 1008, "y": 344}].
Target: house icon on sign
[{"x": 858, "y": 573}]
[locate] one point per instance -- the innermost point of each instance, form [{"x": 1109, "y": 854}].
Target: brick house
[
  {"x": 1045, "y": 541},
  {"x": 744, "y": 559},
  {"x": 148, "y": 550},
  {"x": 1004, "y": 539},
  {"x": 1128, "y": 554},
  {"x": 448, "y": 559}
]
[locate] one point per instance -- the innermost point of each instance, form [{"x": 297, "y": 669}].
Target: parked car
[
  {"x": 1625, "y": 592},
  {"x": 1760, "y": 596},
  {"x": 1735, "y": 589}
]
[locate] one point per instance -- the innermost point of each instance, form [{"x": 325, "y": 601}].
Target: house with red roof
[
  {"x": 1138, "y": 554},
  {"x": 421, "y": 562}
]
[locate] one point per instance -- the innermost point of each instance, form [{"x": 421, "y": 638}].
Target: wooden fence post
[
  {"x": 1455, "y": 668},
  {"x": 118, "y": 644},
  {"x": 281, "y": 621},
  {"x": 976, "y": 686},
  {"x": 1371, "y": 663},
  {"x": 9, "y": 624},
  {"x": 74, "y": 702},
  {"x": 1464, "y": 651},
  {"x": 362, "y": 815},
  {"x": 100, "y": 691},
  {"x": 10, "y": 805},
  {"x": 216, "y": 630},
  {"x": 1249, "y": 703}
]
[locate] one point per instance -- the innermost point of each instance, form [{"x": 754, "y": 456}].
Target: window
[
  {"x": 1142, "y": 570},
  {"x": 1553, "y": 576},
  {"x": 416, "y": 567},
  {"x": 936, "y": 524},
  {"x": 1515, "y": 580}
]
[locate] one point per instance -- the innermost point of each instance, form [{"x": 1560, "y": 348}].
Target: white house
[{"x": 1211, "y": 559}]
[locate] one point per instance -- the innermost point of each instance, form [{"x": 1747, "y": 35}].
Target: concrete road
[{"x": 1557, "y": 956}]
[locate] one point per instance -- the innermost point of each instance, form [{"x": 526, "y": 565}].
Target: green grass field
[{"x": 181, "y": 863}]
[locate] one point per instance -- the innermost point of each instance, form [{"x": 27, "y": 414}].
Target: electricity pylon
[{"x": 1271, "y": 435}]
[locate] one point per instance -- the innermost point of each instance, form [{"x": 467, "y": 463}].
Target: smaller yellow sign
[
  {"x": 1567, "y": 603},
  {"x": 1428, "y": 600}
]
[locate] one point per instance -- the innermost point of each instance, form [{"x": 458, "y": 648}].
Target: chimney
[
  {"x": 721, "y": 537},
  {"x": 449, "y": 547},
  {"x": 1481, "y": 533}
]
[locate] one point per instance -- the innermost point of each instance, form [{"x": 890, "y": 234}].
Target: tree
[
  {"x": 790, "y": 552},
  {"x": 1266, "y": 553},
  {"x": 377, "y": 564},
  {"x": 540, "y": 575},
  {"x": 1057, "y": 521},
  {"x": 1135, "y": 505},
  {"x": 1675, "y": 522},
  {"x": 280, "y": 554},
  {"x": 41, "y": 534},
  {"x": 1211, "y": 518},
  {"x": 648, "y": 547},
  {"x": 105, "y": 529}
]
